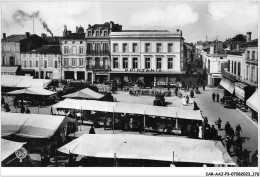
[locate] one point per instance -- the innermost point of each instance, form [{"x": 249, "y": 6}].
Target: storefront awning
[
  {"x": 228, "y": 85},
  {"x": 217, "y": 76},
  {"x": 147, "y": 147},
  {"x": 141, "y": 73},
  {"x": 9, "y": 147},
  {"x": 252, "y": 102}
]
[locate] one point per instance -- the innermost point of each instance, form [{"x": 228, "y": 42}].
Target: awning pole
[
  {"x": 113, "y": 119},
  {"x": 176, "y": 126},
  {"x": 80, "y": 117},
  {"x": 144, "y": 122}
]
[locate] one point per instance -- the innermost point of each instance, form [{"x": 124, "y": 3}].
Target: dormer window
[
  {"x": 97, "y": 33},
  {"x": 89, "y": 33},
  {"x": 105, "y": 33},
  {"x": 65, "y": 42},
  {"x": 73, "y": 42},
  {"x": 81, "y": 42}
]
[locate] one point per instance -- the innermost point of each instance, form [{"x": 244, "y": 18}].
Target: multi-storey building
[
  {"x": 155, "y": 57},
  {"x": 98, "y": 51},
  {"x": 44, "y": 62},
  {"x": 73, "y": 49},
  {"x": 13, "y": 45}
]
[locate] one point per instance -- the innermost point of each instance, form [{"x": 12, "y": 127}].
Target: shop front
[
  {"x": 216, "y": 79},
  {"x": 252, "y": 103}
]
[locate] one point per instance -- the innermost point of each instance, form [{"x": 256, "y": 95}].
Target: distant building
[
  {"x": 98, "y": 51},
  {"x": 73, "y": 49},
  {"x": 43, "y": 62},
  {"x": 154, "y": 57},
  {"x": 14, "y": 45}
]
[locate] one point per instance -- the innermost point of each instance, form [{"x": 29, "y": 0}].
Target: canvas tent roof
[
  {"x": 8, "y": 148},
  {"x": 29, "y": 125},
  {"x": 23, "y": 81},
  {"x": 129, "y": 108},
  {"x": 149, "y": 147},
  {"x": 32, "y": 91},
  {"x": 85, "y": 93}
]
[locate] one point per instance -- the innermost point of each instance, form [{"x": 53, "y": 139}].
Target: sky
[{"x": 218, "y": 19}]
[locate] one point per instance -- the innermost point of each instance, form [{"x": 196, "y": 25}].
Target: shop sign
[
  {"x": 142, "y": 70},
  {"x": 239, "y": 92}
]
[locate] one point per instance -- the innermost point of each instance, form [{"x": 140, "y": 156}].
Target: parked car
[
  {"x": 159, "y": 100},
  {"x": 228, "y": 101}
]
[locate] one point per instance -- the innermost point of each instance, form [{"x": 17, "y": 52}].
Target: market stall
[{"x": 85, "y": 94}]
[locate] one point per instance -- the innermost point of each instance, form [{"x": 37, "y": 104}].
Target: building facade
[
  {"x": 73, "y": 49},
  {"x": 154, "y": 57},
  {"x": 44, "y": 62},
  {"x": 98, "y": 51}
]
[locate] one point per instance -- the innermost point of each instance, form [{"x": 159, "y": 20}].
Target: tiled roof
[
  {"x": 75, "y": 36},
  {"x": 15, "y": 38},
  {"x": 47, "y": 49},
  {"x": 54, "y": 39},
  {"x": 253, "y": 43},
  {"x": 105, "y": 25}
]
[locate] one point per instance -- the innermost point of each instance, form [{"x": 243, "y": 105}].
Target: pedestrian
[
  {"x": 7, "y": 107},
  {"x": 187, "y": 99},
  {"x": 195, "y": 106},
  {"x": 200, "y": 132},
  {"x": 213, "y": 96},
  {"x": 217, "y": 97},
  {"x": 227, "y": 128},
  {"x": 92, "y": 130},
  {"x": 229, "y": 142},
  {"x": 254, "y": 159},
  {"x": 196, "y": 131},
  {"x": 218, "y": 123},
  {"x": 239, "y": 145},
  {"x": 189, "y": 129},
  {"x": 183, "y": 101},
  {"x": 231, "y": 133},
  {"x": 2, "y": 101},
  {"x": 22, "y": 109},
  {"x": 176, "y": 91},
  {"x": 193, "y": 87},
  {"x": 245, "y": 158},
  {"x": 213, "y": 133},
  {"x": 204, "y": 87},
  {"x": 27, "y": 111},
  {"x": 131, "y": 124},
  {"x": 238, "y": 129},
  {"x": 207, "y": 131}
]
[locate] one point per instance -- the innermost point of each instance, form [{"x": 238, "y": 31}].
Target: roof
[
  {"x": 85, "y": 93},
  {"x": 53, "y": 39},
  {"x": 32, "y": 91},
  {"x": 46, "y": 49},
  {"x": 217, "y": 55},
  {"x": 15, "y": 38},
  {"x": 144, "y": 33},
  {"x": 9, "y": 147},
  {"x": 9, "y": 69},
  {"x": 253, "y": 43},
  {"x": 102, "y": 26},
  {"x": 127, "y": 146},
  {"x": 119, "y": 107},
  {"x": 29, "y": 125},
  {"x": 75, "y": 36},
  {"x": 22, "y": 81}
]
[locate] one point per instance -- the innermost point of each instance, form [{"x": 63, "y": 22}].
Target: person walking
[
  {"x": 7, "y": 107},
  {"x": 218, "y": 123},
  {"x": 204, "y": 87},
  {"x": 131, "y": 124},
  {"x": 227, "y": 128},
  {"x": 187, "y": 99},
  {"x": 22, "y": 109},
  {"x": 213, "y": 96},
  {"x": 200, "y": 132},
  {"x": 27, "y": 111},
  {"x": 183, "y": 101},
  {"x": 92, "y": 130},
  {"x": 217, "y": 97},
  {"x": 238, "y": 129},
  {"x": 213, "y": 133},
  {"x": 196, "y": 106}
]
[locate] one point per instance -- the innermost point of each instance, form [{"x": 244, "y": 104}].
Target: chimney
[
  {"x": 27, "y": 34},
  {"x": 89, "y": 26},
  {"x": 68, "y": 33},
  {"x": 248, "y": 36},
  {"x": 77, "y": 29},
  {"x": 237, "y": 47},
  {"x": 4, "y": 35},
  {"x": 43, "y": 35},
  {"x": 120, "y": 28},
  {"x": 111, "y": 24}
]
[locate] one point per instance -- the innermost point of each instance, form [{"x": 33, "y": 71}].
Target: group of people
[
  {"x": 215, "y": 96},
  {"x": 23, "y": 110}
]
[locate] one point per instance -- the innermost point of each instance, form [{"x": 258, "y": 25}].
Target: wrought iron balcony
[
  {"x": 98, "y": 52},
  {"x": 97, "y": 67}
]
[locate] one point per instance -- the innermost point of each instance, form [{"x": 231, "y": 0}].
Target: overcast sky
[{"x": 195, "y": 19}]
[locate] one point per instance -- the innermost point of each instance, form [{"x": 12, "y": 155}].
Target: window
[
  {"x": 97, "y": 47},
  {"x": 24, "y": 64},
  {"x": 115, "y": 62},
  {"x": 135, "y": 47},
  {"x": 135, "y": 63},
  {"x": 12, "y": 61},
  {"x": 55, "y": 64},
  {"x": 74, "y": 50},
  {"x": 170, "y": 63},
  {"x": 3, "y": 61},
  {"x": 81, "y": 62},
  {"x": 81, "y": 50},
  {"x": 89, "y": 33},
  {"x": 30, "y": 55},
  {"x": 239, "y": 68},
  {"x": 97, "y": 33},
  {"x": 252, "y": 74},
  {"x": 24, "y": 55},
  {"x": 158, "y": 47},
  {"x": 124, "y": 47},
  {"x": 73, "y": 61},
  {"x": 30, "y": 64},
  {"x": 105, "y": 47},
  {"x": 147, "y": 47},
  {"x": 73, "y": 42},
  {"x": 147, "y": 63},
  {"x": 253, "y": 55},
  {"x": 170, "y": 47},
  {"x": 65, "y": 42},
  {"x": 45, "y": 63},
  {"x": 66, "y": 50},
  {"x": 115, "y": 47},
  {"x": 66, "y": 62},
  {"x": 159, "y": 63},
  {"x": 81, "y": 42},
  {"x": 232, "y": 67},
  {"x": 36, "y": 55},
  {"x": 55, "y": 55},
  {"x": 105, "y": 33},
  {"x": 235, "y": 67},
  {"x": 36, "y": 64},
  {"x": 125, "y": 63},
  {"x": 89, "y": 47},
  {"x": 45, "y": 55},
  {"x": 13, "y": 48},
  {"x": 248, "y": 54}
]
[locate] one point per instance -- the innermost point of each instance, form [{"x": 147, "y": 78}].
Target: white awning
[
  {"x": 9, "y": 147},
  {"x": 119, "y": 107},
  {"x": 32, "y": 91},
  {"x": 29, "y": 125},
  {"x": 252, "y": 102},
  {"x": 128, "y": 146},
  {"x": 228, "y": 85}
]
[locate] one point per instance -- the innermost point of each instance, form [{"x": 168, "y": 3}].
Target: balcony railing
[
  {"x": 98, "y": 52},
  {"x": 231, "y": 76},
  {"x": 97, "y": 67}
]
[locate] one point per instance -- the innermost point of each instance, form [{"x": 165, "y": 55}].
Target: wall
[{"x": 7, "y": 52}]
